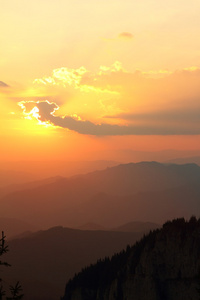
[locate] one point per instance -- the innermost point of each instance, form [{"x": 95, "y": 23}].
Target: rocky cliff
[{"x": 164, "y": 265}]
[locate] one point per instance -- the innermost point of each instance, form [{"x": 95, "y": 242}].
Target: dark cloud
[
  {"x": 47, "y": 110},
  {"x": 189, "y": 116},
  {"x": 3, "y": 84}
]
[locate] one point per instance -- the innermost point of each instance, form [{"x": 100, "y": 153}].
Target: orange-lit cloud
[
  {"x": 77, "y": 78},
  {"x": 113, "y": 101},
  {"x": 44, "y": 112},
  {"x": 64, "y": 76},
  {"x": 87, "y": 65},
  {"x": 35, "y": 110}
]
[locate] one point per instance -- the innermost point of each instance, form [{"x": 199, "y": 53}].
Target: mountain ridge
[
  {"x": 68, "y": 200},
  {"x": 163, "y": 265},
  {"x": 44, "y": 260}
]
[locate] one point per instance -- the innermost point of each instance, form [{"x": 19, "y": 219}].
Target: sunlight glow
[{"x": 33, "y": 113}]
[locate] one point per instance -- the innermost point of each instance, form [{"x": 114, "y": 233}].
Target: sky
[{"x": 80, "y": 78}]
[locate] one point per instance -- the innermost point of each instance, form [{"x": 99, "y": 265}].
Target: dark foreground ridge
[{"x": 164, "y": 265}]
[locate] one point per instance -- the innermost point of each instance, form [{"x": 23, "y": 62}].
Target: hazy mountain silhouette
[
  {"x": 15, "y": 227},
  {"x": 11, "y": 188},
  {"x": 144, "y": 191},
  {"x": 157, "y": 206},
  {"x": 137, "y": 227},
  {"x": 134, "y": 226},
  {"x": 44, "y": 169},
  {"x": 92, "y": 226},
  {"x": 185, "y": 160},
  {"x": 164, "y": 265},
  {"x": 9, "y": 177},
  {"x": 44, "y": 261},
  {"x": 132, "y": 178},
  {"x": 128, "y": 155}
]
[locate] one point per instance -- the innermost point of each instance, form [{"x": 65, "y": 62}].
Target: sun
[{"x": 33, "y": 114}]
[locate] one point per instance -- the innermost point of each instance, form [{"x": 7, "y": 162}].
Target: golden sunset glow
[
  {"x": 33, "y": 112},
  {"x": 74, "y": 74},
  {"x": 99, "y": 147}
]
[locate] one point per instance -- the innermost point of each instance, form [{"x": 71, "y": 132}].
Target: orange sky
[{"x": 81, "y": 78}]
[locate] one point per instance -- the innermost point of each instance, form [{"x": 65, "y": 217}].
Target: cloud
[
  {"x": 114, "y": 101},
  {"x": 125, "y": 35},
  {"x": 44, "y": 112},
  {"x": 3, "y": 84},
  {"x": 172, "y": 116},
  {"x": 76, "y": 78},
  {"x": 64, "y": 76}
]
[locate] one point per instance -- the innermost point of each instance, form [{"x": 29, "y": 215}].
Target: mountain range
[
  {"x": 97, "y": 204},
  {"x": 146, "y": 191}
]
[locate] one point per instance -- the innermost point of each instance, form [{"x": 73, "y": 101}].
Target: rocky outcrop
[{"x": 164, "y": 265}]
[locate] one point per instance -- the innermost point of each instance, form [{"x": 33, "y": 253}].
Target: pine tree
[
  {"x": 15, "y": 290},
  {"x": 3, "y": 250}
]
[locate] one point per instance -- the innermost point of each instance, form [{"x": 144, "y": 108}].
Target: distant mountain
[
  {"x": 8, "y": 189},
  {"x": 14, "y": 227},
  {"x": 9, "y": 177},
  {"x": 19, "y": 176},
  {"x": 129, "y": 155},
  {"x": 126, "y": 179},
  {"x": 44, "y": 261},
  {"x": 144, "y": 191},
  {"x": 157, "y": 206},
  {"x": 92, "y": 226},
  {"x": 135, "y": 226},
  {"x": 185, "y": 160},
  {"x": 44, "y": 169},
  {"x": 144, "y": 227},
  {"x": 164, "y": 265}
]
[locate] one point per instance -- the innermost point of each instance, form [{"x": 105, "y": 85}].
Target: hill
[
  {"x": 164, "y": 265},
  {"x": 44, "y": 261},
  {"x": 9, "y": 177},
  {"x": 144, "y": 227},
  {"x": 51, "y": 168},
  {"x": 92, "y": 226},
  {"x": 142, "y": 191},
  {"x": 185, "y": 160},
  {"x": 15, "y": 187},
  {"x": 111, "y": 210},
  {"x": 15, "y": 227},
  {"x": 128, "y": 227}
]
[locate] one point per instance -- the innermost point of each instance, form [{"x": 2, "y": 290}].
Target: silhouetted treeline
[{"x": 152, "y": 259}]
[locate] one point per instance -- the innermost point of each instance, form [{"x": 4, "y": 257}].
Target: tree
[{"x": 15, "y": 290}]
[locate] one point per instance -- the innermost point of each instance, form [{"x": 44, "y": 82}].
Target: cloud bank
[
  {"x": 113, "y": 101},
  {"x": 44, "y": 111}
]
